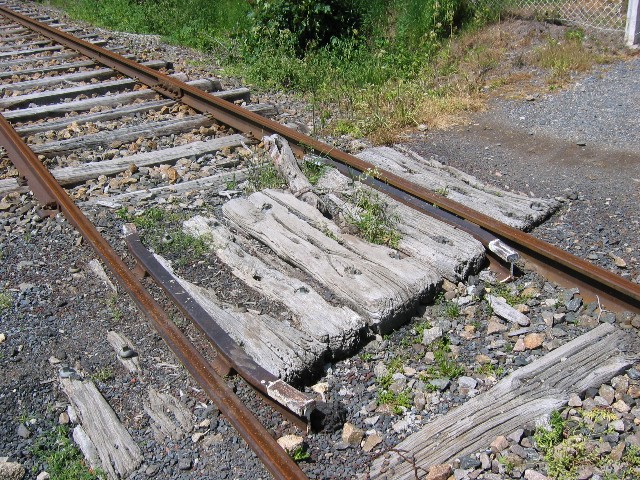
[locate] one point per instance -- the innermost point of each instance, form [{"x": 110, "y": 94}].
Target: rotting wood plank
[
  {"x": 278, "y": 347},
  {"x": 200, "y": 184},
  {"x": 59, "y": 109},
  {"x": 97, "y": 74},
  {"x": 516, "y": 210},
  {"x": 521, "y": 398},
  {"x": 451, "y": 252},
  {"x": 340, "y": 328},
  {"x": 371, "y": 279},
  {"x": 129, "y": 134},
  {"x": 170, "y": 419},
  {"x": 73, "y": 175},
  {"x": 119, "y": 454}
]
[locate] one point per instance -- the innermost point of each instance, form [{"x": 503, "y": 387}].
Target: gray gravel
[
  {"x": 66, "y": 312},
  {"x": 601, "y": 109}
]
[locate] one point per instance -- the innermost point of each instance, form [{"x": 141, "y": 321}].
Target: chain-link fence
[{"x": 608, "y": 15}]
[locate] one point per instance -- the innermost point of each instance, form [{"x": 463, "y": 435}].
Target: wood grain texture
[
  {"x": 277, "y": 346},
  {"x": 339, "y": 328},
  {"x": 519, "y": 211},
  {"x": 371, "y": 279},
  {"x": 521, "y": 398},
  {"x": 119, "y": 454}
]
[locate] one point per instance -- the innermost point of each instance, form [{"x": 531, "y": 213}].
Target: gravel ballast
[{"x": 578, "y": 145}]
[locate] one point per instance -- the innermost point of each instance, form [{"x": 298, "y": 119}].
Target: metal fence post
[{"x": 632, "y": 32}]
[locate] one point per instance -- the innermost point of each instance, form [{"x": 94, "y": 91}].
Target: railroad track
[{"x": 95, "y": 118}]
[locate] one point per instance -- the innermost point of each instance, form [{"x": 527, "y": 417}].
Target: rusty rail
[
  {"x": 615, "y": 291},
  {"x": 49, "y": 192},
  {"x": 262, "y": 380}
]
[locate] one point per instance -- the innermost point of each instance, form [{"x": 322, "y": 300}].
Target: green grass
[
  {"x": 374, "y": 220},
  {"x": 6, "y": 301},
  {"x": 397, "y": 401},
  {"x": 263, "y": 175},
  {"x": 60, "y": 457},
  {"x": 300, "y": 454},
  {"x": 445, "y": 366},
  {"x": 162, "y": 229}
]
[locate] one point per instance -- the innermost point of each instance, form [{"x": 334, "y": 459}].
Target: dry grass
[{"x": 513, "y": 58}]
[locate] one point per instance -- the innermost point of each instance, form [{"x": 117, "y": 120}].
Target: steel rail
[
  {"x": 49, "y": 192},
  {"x": 261, "y": 379},
  {"x": 616, "y": 291}
]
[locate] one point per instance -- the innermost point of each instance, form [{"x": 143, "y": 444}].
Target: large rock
[{"x": 11, "y": 471}]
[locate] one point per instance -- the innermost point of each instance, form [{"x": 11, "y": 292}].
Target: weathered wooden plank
[
  {"x": 25, "y": 45},
  {"x": 119, "y": 454},
  {"x": 125, "y": 351},
  {"x": 369, "y": 278},
  {"x": 170, "y": 419},
  {"x": 48, "y": 69},
  {"x": 527, "y": 394},
  {"x": 339, "y": 328},
  {"x": 519, "y": 211},
  {"x": 34, "y": 51},
  {"x": 74, "y": 175},
  {"x": 129, "y": 134},
  {"x": 278, "y": 347},
  {"x": 31, "y": 51},
  {"x": 211, "y": 182},
  {"x": 38, "y": 59},
  {"x": 59, "y": 109},
  {"x": 93, "y": 117},
  {"x": 97, "y": 74},
  {"x": 287, "y": 165},
  {"x": 440, "y": 247},
  {"x": 47, "y": 97}
]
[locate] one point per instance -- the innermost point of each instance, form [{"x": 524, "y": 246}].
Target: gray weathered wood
[
  {"x": 98, "y": 74},
  {"x": 38, "y": 60},
  {"x": 521, "y": 398},
  {"x": 87, "y": 447},
  {"x": 503, "y": 310},
  {"x": 513, "y": 209},
  {"x": 340, "y": 328},
  {"x": 450, "y": 251},
  {"x": 119, "y": 454},
  {"x": 129, "y": 134},
  {"x": 74, "y": 175},
  {"x": 213, "y": 181},
  {"x": 35, "y": 51},
  {"x": 171, "y": 419},
  {"x": 51, "y": 96},
  {"x": 58, "y": 109},
  {"x": 96, "y": 267},
  {"x": 57, "y": 125},
  {"x": 278, "y": 347},
  {"x": 119, "y": 343},
  {"x": 286, "y": 164},
  {"x": 52, "y": 68},
  {"x": 369, "y": 278}
]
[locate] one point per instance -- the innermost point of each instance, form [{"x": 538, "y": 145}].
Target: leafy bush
[{"x": 307, "y": 23}]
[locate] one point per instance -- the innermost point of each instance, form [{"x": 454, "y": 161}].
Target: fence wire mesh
[{"x": 608, "y": 15}]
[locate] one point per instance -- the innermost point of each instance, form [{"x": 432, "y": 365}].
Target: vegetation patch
[
  {"x": 374, "y": 220},
  {"x": 60, "y": 457},
  {"x": 568, "y": 445},
  {"x": 6, "y": 301},
  {"x": 445, "y": 366},
  {"x": 162, "y": 230}
]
